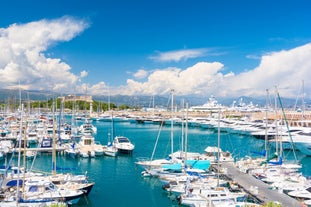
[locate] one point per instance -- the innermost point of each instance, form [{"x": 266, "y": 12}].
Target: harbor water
[{"x": 118, "y": 180}]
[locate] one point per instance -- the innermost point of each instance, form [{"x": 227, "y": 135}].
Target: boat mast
[
  {"x": 73, "y": 117},
  {"x": 266, "y": 125},
  {"x": 172, "y": 124},
  {"x": 153, "y": 105},
  {"x": 286, "y": 123},
  {"x": 24, "y": 156},
  {"x": 276, "y": 124},
  {"x": 218, "y": 147},
  {"x": 54, "y": 141},
  {"x": 60, "y": 119},
  {"x": 19, "y": 146},
  {"x": 182, "y": 145},
  {"x": 186, "y": 132},
  {"x": 112, "y": 123},
  {"x": 303, "y": 100}
]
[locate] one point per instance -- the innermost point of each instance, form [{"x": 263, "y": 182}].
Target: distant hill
[
  {"x": 148, "y": 101},
  {"x": 6, "y": 94}
]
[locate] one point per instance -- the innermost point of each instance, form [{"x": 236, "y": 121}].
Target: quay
[
  {"x": 294, "y": 118},
  {"x": 264, "y": 194}
]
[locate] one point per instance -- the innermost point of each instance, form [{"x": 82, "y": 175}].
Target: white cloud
[
  {"x": 100, "y": 89},
  {"x": 194, "y": 79},
  {"x": 22, "y": 58},
  {"x": 140, "y": 74},
  {"x": 83, "y": 74},
  {"x": 179, "y": 55},
  {"x": 284, "y": 69}
]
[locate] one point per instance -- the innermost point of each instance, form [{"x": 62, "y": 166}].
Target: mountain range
[{"x": 141, "y": 101}]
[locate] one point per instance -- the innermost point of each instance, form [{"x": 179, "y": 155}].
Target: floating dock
[{"x": 256, "y": 188}]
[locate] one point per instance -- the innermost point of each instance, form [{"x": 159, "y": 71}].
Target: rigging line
[
  {"x": 35, "y": 157},
  {"x": 169, "y": 144},
  {"x": 229, "y": 142},
  {"x": 286, "y": 122},
  {"x": 157, "y": 140}
]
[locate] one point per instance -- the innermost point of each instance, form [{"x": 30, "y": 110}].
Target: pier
[{"x": 263, "y": 192}]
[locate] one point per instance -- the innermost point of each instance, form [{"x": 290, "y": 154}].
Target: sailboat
[
  {"x": 110, "y": 149},
  {"x": 179, "y": 162},
  {"x": 151, "y": 164}
]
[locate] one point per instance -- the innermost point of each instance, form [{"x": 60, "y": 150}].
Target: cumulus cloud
[
  {"x": 193, "y": 80},
  {"x": 284, "y": 69},
  {"x": 178, "y": 55},
  {"x": 22, "y": 59},
  {"x": 140, "y": 74},
  {"x": 98, "y": 89}
]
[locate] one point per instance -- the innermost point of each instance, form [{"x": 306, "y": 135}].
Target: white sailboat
[
  {"x": 110, "y": 149},
  {"x": 179, "y": 162},
  {"x": 151, "y": 164}
]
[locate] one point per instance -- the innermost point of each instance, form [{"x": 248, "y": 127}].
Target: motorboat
[
  {"x": 71, "y": 150},
  {"x": 123, "y": 144},
  {"x": 87, "y": 127},
  {"x": 88, "y": 148}
]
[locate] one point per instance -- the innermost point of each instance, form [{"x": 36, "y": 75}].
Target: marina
[
  {"x": 155, "y": 103},
  {"x": 143, "y": 136}
]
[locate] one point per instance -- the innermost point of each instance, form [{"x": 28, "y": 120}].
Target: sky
[{"x": 225, "y": 48}]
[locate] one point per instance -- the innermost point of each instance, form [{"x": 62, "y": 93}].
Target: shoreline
[{"x": 293, "y": 118}]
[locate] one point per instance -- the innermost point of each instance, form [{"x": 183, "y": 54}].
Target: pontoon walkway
[{"x": 264, "y": 194}]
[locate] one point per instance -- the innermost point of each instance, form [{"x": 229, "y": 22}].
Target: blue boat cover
[
  {"x": 12, "y": 183},
  {"x": 196, "y": 164},
  {"x": 199, "y": 164},
  {"x": 174, "y": 166},
  {"x": 277, "y": 163}
]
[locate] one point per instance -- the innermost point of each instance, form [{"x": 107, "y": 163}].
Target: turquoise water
[{"x": 118, "y": 180}]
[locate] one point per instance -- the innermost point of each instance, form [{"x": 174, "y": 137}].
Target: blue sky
[{"x": 203, "y": 47}]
